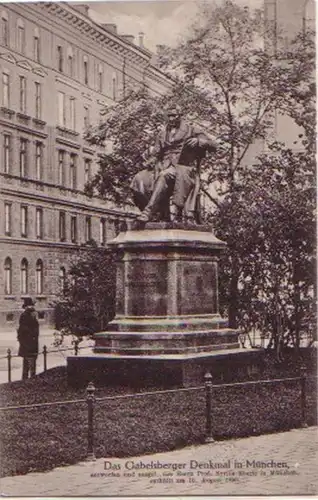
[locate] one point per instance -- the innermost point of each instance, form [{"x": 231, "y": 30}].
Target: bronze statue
[{"x": 168, "y": 188}]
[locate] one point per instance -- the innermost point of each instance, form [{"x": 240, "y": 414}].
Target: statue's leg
[
  {"x": 184, "y": 184},
  {"x": 163, "y": 186},
  {"x": 140, "y": 200}
]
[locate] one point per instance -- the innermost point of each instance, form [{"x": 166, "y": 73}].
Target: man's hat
[{"x": 28, "y": 302}]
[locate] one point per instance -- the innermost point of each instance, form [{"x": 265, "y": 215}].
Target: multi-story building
[{"x": 58, "y": 70}]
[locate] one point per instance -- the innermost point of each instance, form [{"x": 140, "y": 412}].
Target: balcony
[
  {"x": 6, "y": 113},
  {"x": 66, "y": 133},
  {"x": 38, "y": 124},
  {"x": 23, "y": 118}
]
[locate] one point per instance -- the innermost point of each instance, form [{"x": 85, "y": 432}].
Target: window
[
  {"x": 88, "y": 228},
  {"x": 21, "y": 38},
  {"x": 100, "y": 78},
  {"x": 36, "y": 48},
  {"x": 87, "y": 171},
  {"x": 39, "y": 277},
  {"x": 85, "y": 70},
  {"x": 62, "y": 277},
  {"x": 24, "y": 221},
  {"x": 73, "y": 229},
  {"x": 39, "y": 223},
  {"x": 70, "y": 65},
  {"x": 5, "y": 31},
  {"x": 23, "y": 157},
  {"x": 61, "y": 109},
  {"x": 86, "y": 116},
  {"x": 8, "y": 276},
  {"x": 24, "y": 276},
  {"x": 22, "y": 94},
  {"x": 61, "y": 172},
  {"x": 102, "y": 232},
  {"x": 73, "y": 173},
  {"x": 60, "y": 58},
  {"x": 62, "y": 226},
  {"x": 6, "y": 153},
  {"x": 117, "y": 227},
  {"x": 72, "y": 113},
  {"x": 37, "y": 100},
  {"x": 5, "y": 90},
  {"x": 7, "y": 219},
  {"x": 38, "y": 160},
  {"x": 114, "y": 87}
]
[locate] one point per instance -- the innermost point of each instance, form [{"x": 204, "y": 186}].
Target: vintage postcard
[{"x": 157, "y": 294}]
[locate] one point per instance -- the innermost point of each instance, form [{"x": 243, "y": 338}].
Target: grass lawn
[{"x": 41, "y": 438}]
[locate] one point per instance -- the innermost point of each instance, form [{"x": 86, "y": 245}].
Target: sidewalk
[
  {"x": 221, "y": 468},
  {"x": 8, "y": 340}
]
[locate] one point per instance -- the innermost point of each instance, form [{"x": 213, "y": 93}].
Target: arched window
[
  {"x": 8, "y": 276},
  {"x": 36, "y": 44},
  {"x": 5, "y": 28},
  {"x": 24, "y": 276},
  {"x": 39, "y": 277},
  {"x": 309, "y": 12},
  {"x": 85, "y": 66},
  {"x": 62, "y": 278},
  {"x": 100, "y": 78},
  {"x": 114, "y": 86},
  {"x": 70, "y": 61}
]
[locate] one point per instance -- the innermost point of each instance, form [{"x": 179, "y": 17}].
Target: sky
[{"x": 162, "y": 21}]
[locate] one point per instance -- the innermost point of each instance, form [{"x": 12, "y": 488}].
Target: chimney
[
  {"x": 110, "y": 27},
  {"x": 141, "y": 39},
  {"x": 129, "y": 38},
  {"x": 159, "y": 49}
]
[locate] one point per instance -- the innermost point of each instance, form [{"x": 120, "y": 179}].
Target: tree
[{"x": 87, "y": 301}]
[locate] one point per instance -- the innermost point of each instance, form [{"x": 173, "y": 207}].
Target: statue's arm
[{"x": 204, "y": 140}]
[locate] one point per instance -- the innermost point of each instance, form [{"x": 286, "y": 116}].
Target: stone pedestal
[{"x": 167, "y": 315}]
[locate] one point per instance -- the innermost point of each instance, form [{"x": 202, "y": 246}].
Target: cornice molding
[
  {"x": 39, "y": 243},
  {"x": 92, "y": 30},
  {"x": 72, "y": 204},
  {"x": 28, "y": 130},
  {"x": 60, "y": 79}
]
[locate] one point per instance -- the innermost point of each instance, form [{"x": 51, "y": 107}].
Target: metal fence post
[
  {"x": 208, "y": 407},
  {"x": 76, "y": 342},
  {"x": 44, "y": 358},
  {"x": 9, "y": 356},
  {"x": 90, "y": 398},
  {"x": 303, "y": 396}
]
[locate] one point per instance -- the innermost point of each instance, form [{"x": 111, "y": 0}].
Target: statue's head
[{"x": 173, "y": 114}]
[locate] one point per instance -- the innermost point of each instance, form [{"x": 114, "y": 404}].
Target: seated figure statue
[{"x": 168, "y": 188}]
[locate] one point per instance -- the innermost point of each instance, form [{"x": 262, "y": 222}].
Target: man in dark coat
[
  {"x": 178, "y": 150},
  {"x": 28, "y": 337}
]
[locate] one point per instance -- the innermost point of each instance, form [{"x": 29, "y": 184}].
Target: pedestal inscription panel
[
  {"x": 198, "y": 288},
  {"x": 146, "y": 288}
]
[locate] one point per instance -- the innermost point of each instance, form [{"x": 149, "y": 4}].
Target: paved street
[{"x": 223, "y": 468}]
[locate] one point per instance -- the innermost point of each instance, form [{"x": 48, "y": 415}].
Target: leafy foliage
[{"x": 87, "y": 302}]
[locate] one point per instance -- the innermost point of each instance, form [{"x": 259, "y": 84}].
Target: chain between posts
[
  {"x": 90, "y": 399},
  {"x": 208, "y": 407}
]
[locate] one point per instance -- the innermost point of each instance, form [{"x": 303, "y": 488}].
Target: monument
[{"x": 167, "y": 329}]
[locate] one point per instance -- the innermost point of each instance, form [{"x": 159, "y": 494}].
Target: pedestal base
[{"x": 164, "y": 370}]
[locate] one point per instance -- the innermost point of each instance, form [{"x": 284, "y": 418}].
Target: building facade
[{"x": 58, "y": 70}]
